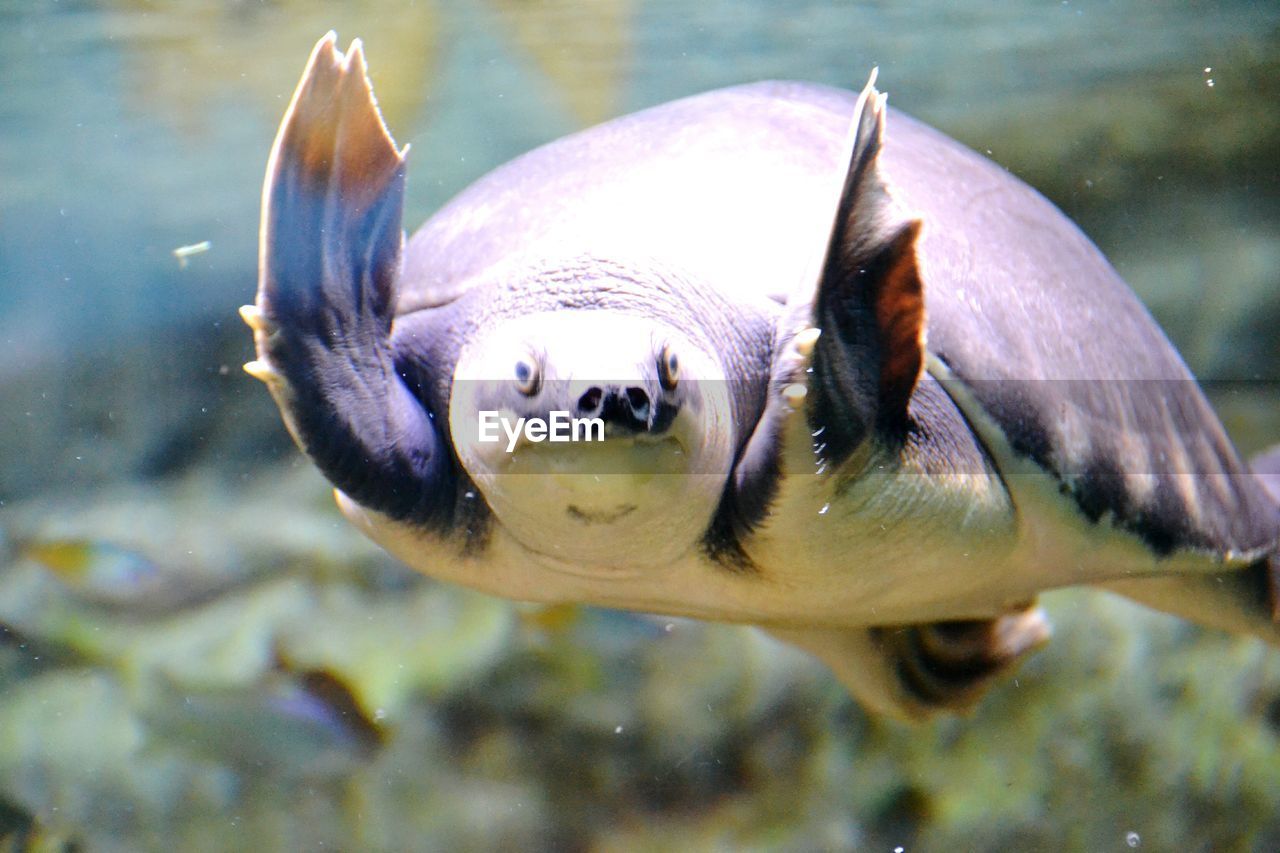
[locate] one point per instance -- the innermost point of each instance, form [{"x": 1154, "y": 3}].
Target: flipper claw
[
  {"x": 256, "y": 320},
  {"x": 794, "y": 394},
  {"x": 806, "y": 340},
  {"x": 261, "y": 371}
]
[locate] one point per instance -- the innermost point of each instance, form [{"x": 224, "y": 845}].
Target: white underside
[
  {"x": 836, "y": 556},
  {"x": 900, "y": 558},
  {"x": 888, "y": 548}
]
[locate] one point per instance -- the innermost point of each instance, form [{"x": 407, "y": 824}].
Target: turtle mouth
[{"x": 600, "y": 516}]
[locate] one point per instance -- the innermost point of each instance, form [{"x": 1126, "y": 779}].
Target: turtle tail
[{"x": 329, "y": 258}]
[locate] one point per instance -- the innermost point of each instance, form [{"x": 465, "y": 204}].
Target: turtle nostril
[
  {"x": 638, "y": 399},
  {"x": 589, "y": 402}
]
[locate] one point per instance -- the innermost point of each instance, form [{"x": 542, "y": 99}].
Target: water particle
[
  {"x": 379, "y": 715},
  {"x": 618, "y": 731},
  {"x": 185, "y": 253},
  {"x": 824, "y": 509},
  {"x": 1132, "y": 839}
]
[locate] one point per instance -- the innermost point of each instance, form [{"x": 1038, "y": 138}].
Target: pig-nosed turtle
[{"x": 855, "y": 385}]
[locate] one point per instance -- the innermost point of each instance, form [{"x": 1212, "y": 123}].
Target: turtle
[{"x": 842, "y": 378}]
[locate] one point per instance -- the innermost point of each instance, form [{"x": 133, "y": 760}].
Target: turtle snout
[{"x": 624, "y": 409}]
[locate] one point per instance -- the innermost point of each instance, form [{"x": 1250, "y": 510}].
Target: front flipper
[
  {"x": 330, "y": 254},
  {"x": 912, "y": 672},
  {"x": 849, "y": 348}
]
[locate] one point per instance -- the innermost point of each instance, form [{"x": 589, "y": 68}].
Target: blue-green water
[{"x": 160, "y": 690}]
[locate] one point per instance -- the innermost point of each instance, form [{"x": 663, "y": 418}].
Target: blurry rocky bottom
[{"x": 198, "y": 663}]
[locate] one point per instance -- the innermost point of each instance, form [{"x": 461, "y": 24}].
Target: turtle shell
[{"x": 734, "y": 188}]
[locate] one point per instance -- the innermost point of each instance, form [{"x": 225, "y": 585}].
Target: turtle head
[{"x": 598, "y": 437}]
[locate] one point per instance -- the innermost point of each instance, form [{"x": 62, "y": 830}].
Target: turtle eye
[
  {"x": 528, "y": 376},
  {"x": 668, "y": 368}
]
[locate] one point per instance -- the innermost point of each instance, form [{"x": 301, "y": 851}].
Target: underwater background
[{"x": 197, "y": 652}]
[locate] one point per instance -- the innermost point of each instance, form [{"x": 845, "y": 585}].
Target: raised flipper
[
  {"x": 329, "y": 257},
  {"x": 912, "y": 672},
  {"x": 850, "y": 346},
  {"x": 826, "y": 369},
  {"x": 848, "y": 389}
]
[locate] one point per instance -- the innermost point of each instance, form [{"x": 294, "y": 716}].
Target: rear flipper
[
  {"x": 1246, "y": 600},
  {"x": 1266, "y": 468},
  {"x": 915, "y": 671},
  {"x": 330, "y": 254},
  {"x": 1238, "y": 602}
]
